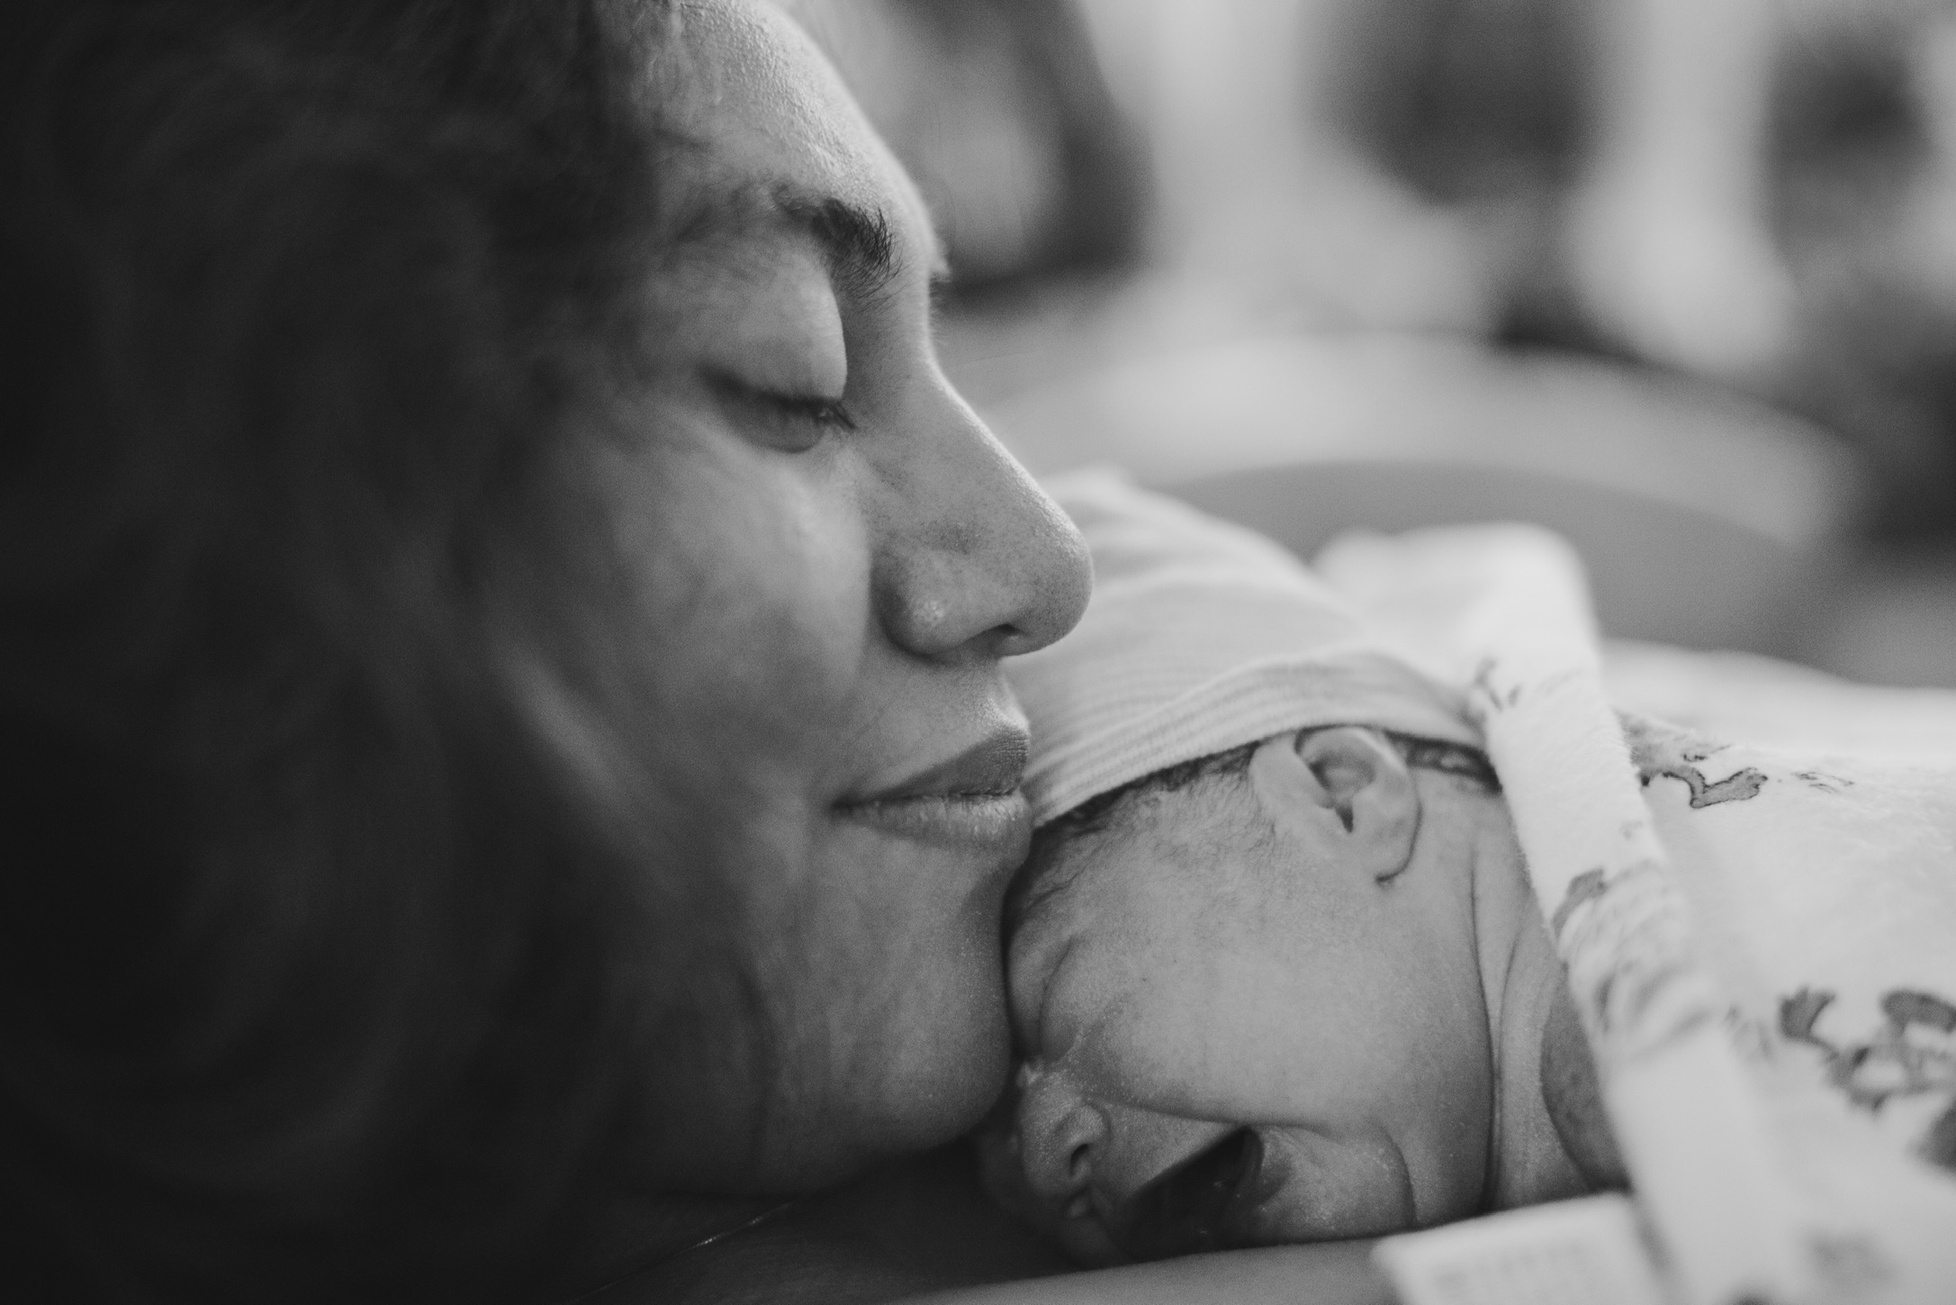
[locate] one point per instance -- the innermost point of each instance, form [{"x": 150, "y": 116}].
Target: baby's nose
[{"x": 1060, "y": 1136}]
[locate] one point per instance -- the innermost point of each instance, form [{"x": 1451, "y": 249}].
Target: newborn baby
[
  {"x": 1276, "y": 971},
  {"x": 1294, "y": 991},
  {"x": 1274, "y": 967}
]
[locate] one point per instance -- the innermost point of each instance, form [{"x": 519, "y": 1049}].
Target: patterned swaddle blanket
[
  {"x": 1762, "y": 944},
  {"x": 1824, "y": 891}
]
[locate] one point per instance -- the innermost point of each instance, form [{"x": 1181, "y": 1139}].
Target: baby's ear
[{"x": 1345, "y": 784}]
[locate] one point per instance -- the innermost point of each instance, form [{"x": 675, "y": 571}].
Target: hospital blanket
[{"x": 1762, "y": 942}]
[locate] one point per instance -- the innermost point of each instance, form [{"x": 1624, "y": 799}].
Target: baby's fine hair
[{"x": 1105, "y": 811}]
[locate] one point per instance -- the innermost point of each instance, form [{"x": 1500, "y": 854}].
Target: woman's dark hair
[{"x": 306, "y": 989}]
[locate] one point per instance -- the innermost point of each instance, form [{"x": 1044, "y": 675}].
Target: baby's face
[{"x": 1232, "y": 1037}]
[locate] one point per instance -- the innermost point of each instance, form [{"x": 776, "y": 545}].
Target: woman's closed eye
[
  {"x": 792, "y": 423},
  {"x": 772, "y": 348}
]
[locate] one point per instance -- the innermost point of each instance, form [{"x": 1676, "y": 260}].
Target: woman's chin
[
  {"x": 927, "y": 1089},
  {"x": 941, "y": 1058},
  {"x": 949, "y": 1088}
]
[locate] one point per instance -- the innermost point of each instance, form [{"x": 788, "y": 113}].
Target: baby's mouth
[{"x": 1207, "y": 1203}]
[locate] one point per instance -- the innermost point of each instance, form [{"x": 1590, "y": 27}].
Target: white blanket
[{"x": 1762, "y": 941}]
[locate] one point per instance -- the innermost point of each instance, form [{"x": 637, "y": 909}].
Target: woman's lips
[
  {"x": 970, "y": 798},
  {"x": 989, "y": 820}
]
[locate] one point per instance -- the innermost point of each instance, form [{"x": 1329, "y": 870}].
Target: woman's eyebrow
[{"x": 856, "y": 240}]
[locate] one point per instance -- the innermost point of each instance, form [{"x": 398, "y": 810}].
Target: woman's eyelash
[
  {"x": 812, "y": 408},
  {"x": 793, "y": 423}
]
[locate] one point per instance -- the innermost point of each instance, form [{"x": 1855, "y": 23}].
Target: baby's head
[
  {"x": 1266, "y": 946},
  {"x": 1248, "y": 1000}
]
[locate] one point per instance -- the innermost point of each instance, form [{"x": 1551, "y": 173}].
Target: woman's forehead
[{"x": 776, "y": 122}]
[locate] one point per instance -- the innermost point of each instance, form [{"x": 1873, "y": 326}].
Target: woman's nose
[
  {"x": 972, "y": 557},
  {"x": 1060, "y": 1136}
]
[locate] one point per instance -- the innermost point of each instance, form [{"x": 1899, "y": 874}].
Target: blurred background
[{"x": 1677, "y": 277}]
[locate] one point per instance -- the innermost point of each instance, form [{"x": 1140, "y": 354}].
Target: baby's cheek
[
  {"x": 1447, "y": 1146},
  {"x": 1174, "y": 1044},
  {"x": 1357, "y": 1185}
]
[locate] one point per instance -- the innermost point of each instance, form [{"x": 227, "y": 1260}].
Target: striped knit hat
[{"x": 1200, "y": 637}]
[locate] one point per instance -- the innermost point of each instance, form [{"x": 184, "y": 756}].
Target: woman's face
[{"x": 803, "y": 728}]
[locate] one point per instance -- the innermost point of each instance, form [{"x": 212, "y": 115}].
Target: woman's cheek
[
  {"x": 774, "y": 583},
  {"x": 826, "y": 568},
  {"x": 897, "y": 991}
]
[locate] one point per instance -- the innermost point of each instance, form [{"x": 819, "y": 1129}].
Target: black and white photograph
[{"x": 978, "y": 652}]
